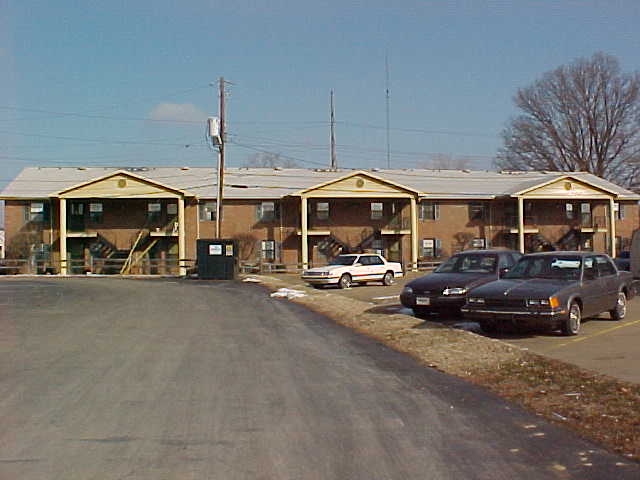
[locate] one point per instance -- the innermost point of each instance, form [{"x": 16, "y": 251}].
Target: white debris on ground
[
  {"x": 252, "y": 280},
  {"x": 288, "y": 293}
]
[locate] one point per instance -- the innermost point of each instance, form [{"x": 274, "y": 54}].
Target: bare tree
[
  {"x": 584, "y": 116},
  {"x": 269, "y": 160}
]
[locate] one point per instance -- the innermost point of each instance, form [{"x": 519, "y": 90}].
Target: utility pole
[
  {"x": 334, "y": 163},
  {"x": 386, "y": 70},
  {"x": 220, "y": 172}
]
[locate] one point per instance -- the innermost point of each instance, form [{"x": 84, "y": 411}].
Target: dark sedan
[
  {"x": 552, "y": 290},
  {"x": 445, "y": 289}
]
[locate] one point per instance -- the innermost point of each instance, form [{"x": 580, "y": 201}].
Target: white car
[{"x": 345, "y": 270}]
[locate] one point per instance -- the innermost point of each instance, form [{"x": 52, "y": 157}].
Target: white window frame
[
  {"x": 429, "y": 211},
  {"x": 268, "y": 250},
  {"x": 377, "y": 210},
  {"x": 322, "y": 210},
  {"x": 266, "y": 211},
  {"x": 207, "y": 211},
  {"x": 96, "y": 212},
  {"x": 430, "y": 245},
  {"x": 568, "y": 211},
  {"x": 36, "y": 212},
  {"x": 477, "y": 207}
]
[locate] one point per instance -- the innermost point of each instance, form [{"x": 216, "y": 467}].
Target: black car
[
  {"x": 552, "y": 290},
  {"x": 444, "y": 289}
]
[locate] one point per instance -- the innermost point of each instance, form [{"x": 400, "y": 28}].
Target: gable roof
[
  {"x": 357, "y": 173},
  {"x": 269, "y": 183},
  {"x": 122, "y": 173}
]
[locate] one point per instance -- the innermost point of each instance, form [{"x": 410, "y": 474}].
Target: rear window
[{"x": 469, "y": 263}]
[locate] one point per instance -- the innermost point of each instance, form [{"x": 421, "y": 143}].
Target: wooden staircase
[{"x": 141, "y": 246}]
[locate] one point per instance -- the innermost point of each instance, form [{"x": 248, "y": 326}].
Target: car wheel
[
  {"x": 387, "y": 279},
  {"x": 345, "y": 281},
  {"x": 571, "y": 325},
  {"x": 620, "y": 311}
]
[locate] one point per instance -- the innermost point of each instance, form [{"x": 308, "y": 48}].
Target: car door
[
  {"x": 591, "y": 289},
  {"x": 360, "y": 269},
  {"x": 609, "y": 280},
  {"x": 376, "y": 268}
]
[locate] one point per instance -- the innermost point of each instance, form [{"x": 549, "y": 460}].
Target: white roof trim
[{"x": 113, "y": 174}]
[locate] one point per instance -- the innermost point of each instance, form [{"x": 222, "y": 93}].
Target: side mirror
[{"x": 502, "y": 271}]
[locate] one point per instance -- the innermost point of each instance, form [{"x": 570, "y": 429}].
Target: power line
[{"x": 98, "y": 140}]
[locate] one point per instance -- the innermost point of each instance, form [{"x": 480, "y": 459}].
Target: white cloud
[{"x": 181, "y": 112}]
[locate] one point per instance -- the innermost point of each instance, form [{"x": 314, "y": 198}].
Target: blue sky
[{"x": 127, "y": 83}]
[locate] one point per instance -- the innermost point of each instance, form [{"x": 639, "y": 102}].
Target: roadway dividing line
[
  {"x": 389, "y": 297},
  {"x": 602, "y": 332}
]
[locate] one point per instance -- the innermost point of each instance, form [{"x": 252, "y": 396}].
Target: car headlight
[
  {"x": 543, "y": 302},
  {"x": 454, "y": 291},
  {"x": 476, "y": 300},
  {"x": 407, "y": 291}
]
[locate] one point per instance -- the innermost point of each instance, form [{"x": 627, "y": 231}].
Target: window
[
  {"x": 172, "y": 209},
  {"x": 375, "y": 260},
  {"x": 37, "y": 212},
  {"x": 266, "y": 212},
  {"x": 77, "y": 209},
  {"x": 568, "y": 209},
  {"x": 154, "y": 209},
  {"x": 618, "y": 210},
  {"x": 322, "y": 210},
  {"x": 477, "y": 211},
  {"x": 207, "y": 212},
  {"x": 585, "y": 214},
  {"x": 605, "y": 267},
  {"x": 376, "y": 210},
  {"x": 95, "y": 212},
  {"x": 430, "y": 247},
  {"x": 268, "y": 249},
  {"x": 429, "y": 211}
]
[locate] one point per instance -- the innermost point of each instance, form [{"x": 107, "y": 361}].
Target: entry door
[
  {"x": 75, "y": 218},
  {"x": 592, "y": 288}
]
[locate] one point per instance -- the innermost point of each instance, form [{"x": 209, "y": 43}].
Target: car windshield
[
  {"x": 469, "y": 263},
  {"x": 343, "y": 260},
  {"x": 559, "y": 267}
]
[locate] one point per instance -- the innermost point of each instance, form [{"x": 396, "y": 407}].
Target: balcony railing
[
  {"x": 398, "y": 223},
  {"x": 596, "y": 222}
]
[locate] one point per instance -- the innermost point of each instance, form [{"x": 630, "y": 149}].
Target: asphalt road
[
  {"x": 105, "y": 378},
  {"x": 603, "y": 345}
]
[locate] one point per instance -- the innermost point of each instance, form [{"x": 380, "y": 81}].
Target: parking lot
[{"x": 603, "y": 345}]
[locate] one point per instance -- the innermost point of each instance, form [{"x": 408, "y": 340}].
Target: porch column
[
  {"x": 414, "y": 235},
  {"x": 304, "y": 228},
  {"x": 63, "y": 236},
  {"x": 181, "y": 238},
  {"x": 612, "y": 228},
  {"x": 521, "y": 224}
]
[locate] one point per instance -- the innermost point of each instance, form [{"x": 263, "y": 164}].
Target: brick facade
[{"x": 269, "y": 229}]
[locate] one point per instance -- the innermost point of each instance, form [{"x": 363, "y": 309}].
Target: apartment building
[{"x": 147, "y": 220}]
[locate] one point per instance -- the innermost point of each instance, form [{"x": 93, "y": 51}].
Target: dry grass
[{"x": 597, "y": 407}]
